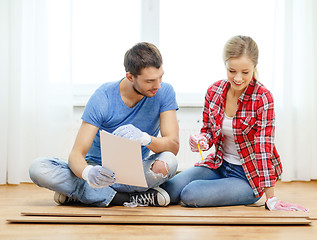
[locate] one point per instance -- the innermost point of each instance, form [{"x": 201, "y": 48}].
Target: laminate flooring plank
[
  {"x": 15, "y": 199},
  {"x": 241, "y": 215},
  {"x": 174, "y": 211},
  {"x": 149, "y": 220}
]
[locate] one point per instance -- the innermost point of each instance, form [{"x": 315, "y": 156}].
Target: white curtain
[
  {"x": 36, "y": 115},
  {"x": 36, "y": 104},
  {"x": 295, "y": 88}
]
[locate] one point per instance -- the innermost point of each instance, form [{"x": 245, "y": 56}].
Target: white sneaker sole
[
  {"x": 163, "y": 199},
  {"x": 59, "y": 198}
]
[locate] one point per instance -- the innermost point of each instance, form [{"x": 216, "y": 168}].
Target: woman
[{"x": 238, "y": 119}]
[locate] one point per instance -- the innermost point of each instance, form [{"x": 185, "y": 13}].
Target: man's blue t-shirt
[{"x": 106, "y": 110}]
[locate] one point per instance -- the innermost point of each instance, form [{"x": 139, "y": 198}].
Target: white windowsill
[{"x": 82, "y": 93}]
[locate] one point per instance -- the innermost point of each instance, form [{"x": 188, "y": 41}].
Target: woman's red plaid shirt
[{"x": 253, "y": 130}]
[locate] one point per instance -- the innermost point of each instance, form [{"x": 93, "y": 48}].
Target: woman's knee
[
  {"x": 189, "y": 196},
  {"x": 202, "y": 193}
]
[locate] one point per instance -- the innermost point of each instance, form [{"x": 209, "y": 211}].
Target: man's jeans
[
  {"x": 54, "y": 174},
  {"x": 202, "y": 187}
]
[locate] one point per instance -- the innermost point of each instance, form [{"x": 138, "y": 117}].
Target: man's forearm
[
  {"x": 161, "y": 144},
  {"x": 77, "y": 164}
]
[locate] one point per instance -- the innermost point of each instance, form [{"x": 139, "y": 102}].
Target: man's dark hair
[{"x": 142, "y": 55}]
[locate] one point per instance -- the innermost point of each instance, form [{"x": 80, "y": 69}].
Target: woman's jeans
[
  {"x": 54, "y": 174},
  {"x": 205, "y": 187}
]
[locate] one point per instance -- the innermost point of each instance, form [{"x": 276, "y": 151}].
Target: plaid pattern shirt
[{"x": 253, "y": 130}]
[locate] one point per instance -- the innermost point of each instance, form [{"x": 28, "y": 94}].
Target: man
[{"x": 137, "y": 107}]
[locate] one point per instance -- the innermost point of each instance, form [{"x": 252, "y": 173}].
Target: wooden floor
[{"x": 15, "y": 199}]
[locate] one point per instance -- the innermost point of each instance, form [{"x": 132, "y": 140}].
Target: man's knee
[
  {"x": 166, "y": 164},
  {"x": 35, "y": 167},
  {"x": 160, "y": 167},
  {"x": 41, "y": 169}
]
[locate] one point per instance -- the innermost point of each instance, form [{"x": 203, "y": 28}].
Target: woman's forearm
[{"x": 269, "y": 192}]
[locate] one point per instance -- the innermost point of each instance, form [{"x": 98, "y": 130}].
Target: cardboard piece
[{"x": 123, "y": 157}]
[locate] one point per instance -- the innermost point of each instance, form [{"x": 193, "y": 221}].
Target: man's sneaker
[
  {"x": 63, "y": 199},
  {"x": 157, "y": 197}
]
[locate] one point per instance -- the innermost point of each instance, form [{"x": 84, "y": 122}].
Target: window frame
[{"x": 150, "y": 32}]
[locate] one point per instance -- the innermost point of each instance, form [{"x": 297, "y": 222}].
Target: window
[
  {"x": 189, "y": 33},
  {"x": 193, "y": 33},
  {"x": 102, "y": 31}
]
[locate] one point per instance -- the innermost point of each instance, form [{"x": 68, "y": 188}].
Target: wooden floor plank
[
  {"x": 15, "y": 199},
  {"x": 148, "y": 220},
  {"x": 239, "y": 211},
  {"x": 165, "y": 214}
]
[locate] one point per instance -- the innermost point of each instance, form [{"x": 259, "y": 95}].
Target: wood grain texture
[
  {"x": 15, "y": 199},
  {"x": 176, "y": 211},
  {"x": 171, "y": 220}
]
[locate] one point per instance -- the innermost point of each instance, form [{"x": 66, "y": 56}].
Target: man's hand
[
  {"x": 274, "y": 204},
  {"x": 200, "y": 139},
  {"x": 98, "y": 176},
  {"x": 131, "y": 132}
]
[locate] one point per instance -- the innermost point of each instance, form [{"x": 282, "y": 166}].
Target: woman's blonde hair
[{"x": 240, "y": 45}]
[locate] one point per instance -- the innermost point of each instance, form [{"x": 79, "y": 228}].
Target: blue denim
[
  {"x": 205, "y": 187},
  {"x": 54, "y": 174}
]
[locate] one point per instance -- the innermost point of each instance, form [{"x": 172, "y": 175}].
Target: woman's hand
[
  {"x": 273, "y": 203},
  {"x": 200, "y": 139}
]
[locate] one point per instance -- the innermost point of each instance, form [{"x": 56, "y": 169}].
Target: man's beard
[{"x": 138, "y": 91}]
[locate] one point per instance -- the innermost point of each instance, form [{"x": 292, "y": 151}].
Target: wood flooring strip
[
  {"x": 162, "y": 221},
  {"x": 59, "y": 214},
  {"x": 166, "y": 213}
]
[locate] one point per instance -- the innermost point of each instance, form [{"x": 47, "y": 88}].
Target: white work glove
[
  {"x": 200, "y": 139},
  {"x": 98, "y": 176},
  {"x": 274, "y": 204},
  {"x": 131, "y": 132}
]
